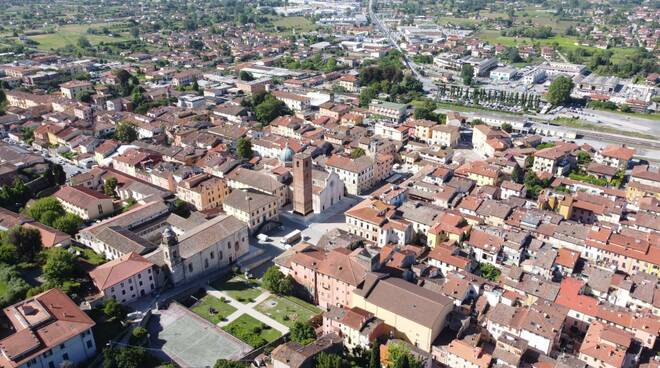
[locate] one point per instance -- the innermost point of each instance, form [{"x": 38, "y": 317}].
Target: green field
[
  {"x": 3, "y": 289},
  {"x": 287, "y": 310},
  {"x": 222, "y": 309},
  {"x": 251, "y": 331},
  {"x": 245, "y": 291},
  {"x": 298, "y": 23},
  {"x": 69, "y": 34},
  {"x": 495, "y": 37}
]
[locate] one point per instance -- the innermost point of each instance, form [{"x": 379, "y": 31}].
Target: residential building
[
  {"x": 45, "y": 331},
  {"x": 417, "y": 314},
  {"x": 125, "y": 279},
  {"x": 615, "y": 156},
  {"x": 394, "y": 111},
  {"x": 84, "y": 202},
  {"x": 357, "y": 174},
  {"x": 356, "y": 326},
  {"x": 250, "y": 206},
  {"x": 73, "y": 88},
  {"x": 203, "y": 191},
  {"x": 293, "y": 101}
]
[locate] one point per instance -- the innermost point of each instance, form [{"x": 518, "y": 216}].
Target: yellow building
[
  {"x": 416, "y": 313},
  {"x": 202, "y": 191},
  {"x": 252, "y": 207}
]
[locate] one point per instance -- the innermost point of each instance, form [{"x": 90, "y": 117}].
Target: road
[
  {"x": 428, "y": 84},
  {"x": 69, "y": 169}
]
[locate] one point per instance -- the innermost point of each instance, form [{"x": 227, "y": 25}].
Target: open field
[
  {"x": 287, "y": 310},
  {"x": 245, "y": 291},
  {"x": 221, "y": 309},
  {"x": 251, "y": 331},
  {"x": 301, "y": 24},
  {"x": 69, "y": 35}
]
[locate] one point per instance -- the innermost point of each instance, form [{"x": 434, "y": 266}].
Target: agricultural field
[{"x": 69, "y": 35}]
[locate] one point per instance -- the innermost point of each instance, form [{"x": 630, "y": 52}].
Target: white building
[
  {"x": 327, "y": 190},
  {"x": 125, "y": 279},
  {"x": 49, "y": 329}
]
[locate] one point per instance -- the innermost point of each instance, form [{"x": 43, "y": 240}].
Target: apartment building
[
  {"x": 125, "y": 279},
  {"x": 357, "y": 174},
  {"x": 394, "y": 111},
  {"x": 250, "y": 206},
  {"x": 203, "y": 191},
  {"x": 295, "y": 102},
  {"x": 47, "y": 330},
  {"x": 84, "y": 202}
]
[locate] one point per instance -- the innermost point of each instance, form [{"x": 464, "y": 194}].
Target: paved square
[{"x": 190, "y": 340}]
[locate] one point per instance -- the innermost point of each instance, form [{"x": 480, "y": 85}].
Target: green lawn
[
  {"x": 287, "y": 310},
  {"x": 496, "y": 37},
  {"x": 69, "y": 34},
  {"x": 245, "y": 291},
  {"x": 251, "y": 331},
  {"x": 90, "y": 256},
  {"x": 298, "y": 23},
  {"x": 222, "y": 309},
  {"x": 3, "y": 289}
]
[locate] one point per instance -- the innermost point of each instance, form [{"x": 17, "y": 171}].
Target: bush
[{"x": 15, "y": 286}]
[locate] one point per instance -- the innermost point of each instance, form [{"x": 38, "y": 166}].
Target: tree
[
  {"x": 245, "y": 76},
  {"x": 138, "y": 336},
  {"x": 467, "y": 74},
  {"x": 374, "y": 356},
  {"x": 303, "y": 333},
  {"x": 69, "y": 223},
  {"x": 583, "y": 158},
  {"x": 110, "y": 186},
  {"x": 489, "y": 272},
  {"x": 224, "y": 363},
  {"x": 401, "y": 357},
  {"x": 244, "y": 148},
  {"x": 425, "y": 111},
  {"x": 507, "y": 127},
  {"x": 181, "y": 208},
  {"x": 517, "y": 175},
  {"x": 26, "y": 241},
  {"x": 14, "y": 287},
  {"x": 327, "y": 360},
  {"x": 42, "y": 205},
  {"x": 83, "y": 42},
  {"x": 269, "y": 109},
  {"x": 275, "y": 281},
  {"x": 60, "y": 266},
  {"x": 357, "y": 152},
  {"x": 559, "y": 91},
  {"x": 126, "y": 132},
  {"x": 126, "y": 357},
  {"x": 113, "y": 310}
]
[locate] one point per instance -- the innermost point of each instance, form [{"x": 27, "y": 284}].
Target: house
[
  {"x": 556, "y": 160},
  {"x": 357, "y": 174},
  {"x": 356, "y": 326},
  {"x": 394, "y": 111},
  {"x": 84, "y": 202},
  {"x": 390, "y": 131},
  {"x": 375, "y": 221},
  {"x": 125, "y": 279},
  {"x": 445, "y": 136},
  {"x": 250, "y": 206},
  {"x": 417, "y": 314},
  {"x": 615, "y": 156},
  {"x": 510, "y": 189},
  {"x": 203, "y": 191},
  {"x": 45, "y": 331},
  {"x": 460, "y": 354},
  {"x": 449, "y": 259},
  {"x": 606, "y": 346},
  {"x": 487, "y": 140},
  {"x": 294, "y": 355},
  {"x": 293, "y": 101},
  {"x": 241, "y": 178},
  {"x": 485, "y": 247},
  {"x": 349, "y": 82},
  {"x": 72, "y": 88}
]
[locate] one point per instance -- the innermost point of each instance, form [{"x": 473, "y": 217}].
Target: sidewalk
[{"x": 246, "y": 309}]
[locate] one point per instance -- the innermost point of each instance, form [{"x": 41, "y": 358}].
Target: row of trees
[{"x": 478, "y": 96}]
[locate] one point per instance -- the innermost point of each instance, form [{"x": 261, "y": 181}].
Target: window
[
  {"x": 190, "y": 267},
  {"x": 89, "y": 344}
]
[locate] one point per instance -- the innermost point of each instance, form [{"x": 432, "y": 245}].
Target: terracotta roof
[
  {"x": 118, "y": 270},
  {"x": 618, "y": 152},
  {"x": 41, "y": 322},
  {"x": 79, "y": 196}
]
